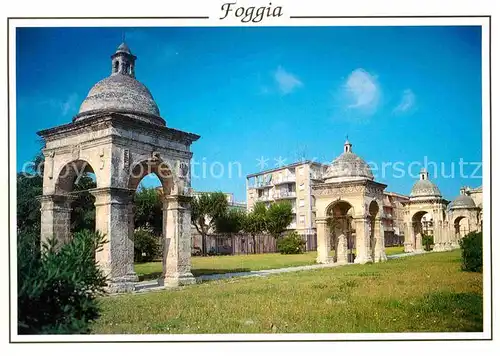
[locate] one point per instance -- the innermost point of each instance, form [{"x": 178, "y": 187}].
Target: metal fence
[{"x": 242, "y": 244}]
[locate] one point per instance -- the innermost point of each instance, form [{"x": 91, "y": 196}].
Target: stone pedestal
[
  {"x": 418, "y": 242},
  {"x": 363, "y": 254},
  {"x": 56, "y": 218},
  {"x": 342, "y": 249},
  {"x": 177, "y": 243},
  {"x": 324, "y": 247},
  {"x": 116, "y": 258},
  {"x": 409, "y": 240},
  {"x": 379, "y": 249}
]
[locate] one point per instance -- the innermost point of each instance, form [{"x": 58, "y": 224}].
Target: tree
[
  {"x": 278, "y": 217},
  {"x": 148, "y": 210},
  {"x": 83, "y": 208},
  {"x": 206, "y": 208},
  {"x": 230, "y": 222},
  {"x": 255, "y": 222}
]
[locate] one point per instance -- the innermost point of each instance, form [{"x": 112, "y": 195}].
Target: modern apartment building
[{"x": 288, "y": 183}]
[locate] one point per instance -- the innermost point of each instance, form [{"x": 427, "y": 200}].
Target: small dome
[
  {"x": 122, "y": 94},
  {"x": 424, "y": 187},
  {"x": 123, "y": 48},
  {"x": 462, "y": 201},
  {"x": 348, "y": 166}
]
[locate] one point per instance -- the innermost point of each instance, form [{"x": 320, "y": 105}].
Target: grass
[
  {"x": 239, "y": 263},
  {"x": 423, "y": 293}
]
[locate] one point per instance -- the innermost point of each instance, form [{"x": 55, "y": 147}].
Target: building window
[
  {"x": 301, "y": 186},
  {"x": 301, "y": 202},
  {"x": 116, "y": 67},
  {"x": 301, "y": 171},
  {"x": 302, "y": 219}
]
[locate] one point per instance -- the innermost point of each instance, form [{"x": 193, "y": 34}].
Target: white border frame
[{"x": 484, "y": 22}]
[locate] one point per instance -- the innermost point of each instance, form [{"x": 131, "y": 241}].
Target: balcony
[
  {"x": 293, "y": 225},
  {"x": 285, "y": 195},
  {"x": 261, "y": 185},
  {"x": 264, "y": 198},
  {"x": 287, "y": 179}
]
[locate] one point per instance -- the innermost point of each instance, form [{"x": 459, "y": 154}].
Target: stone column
[
  {"x": 56, "y": 217},
  {"x": 379, "y": 253},
  {"x": 409, "y": 247},
  {"x": 439, "y": 243},
  {"x": 112, "y": 219},
  {"x": 177, "y": 253},
  {"x": 342, "y": 250},
  {"x": 323, "y": 238},
  {"x": 363, "y": 254},
  {"x": 418, "y": 242},
  {"x": 164, "y": 234}
]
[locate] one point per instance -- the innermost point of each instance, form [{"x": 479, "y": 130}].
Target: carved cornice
[
  {"x": 365, "y": 187},
  {"x": 111, "y": 119}
]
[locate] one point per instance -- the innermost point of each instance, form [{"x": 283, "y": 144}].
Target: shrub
[
  {"x": 58, "y": 285},
  {"x": 472, "y": 252},
  {"x": 427, "y": 242},
  {"x": 292, "y": 243},
  {"x": 146, "y": 246}
]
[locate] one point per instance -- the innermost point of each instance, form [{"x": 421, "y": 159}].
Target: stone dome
[
  {"x": 348, "y": 166},
  {"x": 121, "y": 92},
  {"x": 463, "y": 201},
  {"x": 424, "y": 187}
]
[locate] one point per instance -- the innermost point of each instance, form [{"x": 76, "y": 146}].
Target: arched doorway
[
  {"x": 461, "y": 225},
  {"x": 176, "y": 264},
  {"x": 375, "y": 228},
  {"x": 422, "y": 223},
  {"x": 340, "y": 224},
  {"x": 70, "y": 208}
]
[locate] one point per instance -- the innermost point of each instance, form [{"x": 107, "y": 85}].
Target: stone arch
[
  {"x": 461, "y": 226},
  {"x": 340, "y": 215},
  {"x": 70, "y": 172}
]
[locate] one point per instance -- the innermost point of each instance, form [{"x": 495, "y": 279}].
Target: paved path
[{"x": 153, "y": 285}]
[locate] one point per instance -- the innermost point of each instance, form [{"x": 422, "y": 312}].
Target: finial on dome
[
  {"x": 123, "y": 61},
  {"x": 424, "y": 175},
  {"x": 347, "y": 144}
]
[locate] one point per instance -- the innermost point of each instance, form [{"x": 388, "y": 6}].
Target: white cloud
[
  {"x": 407, "y": 102},
  {"x": 287, "y": 82},
  {"x": 70, "y": 105},
  {"x": 362, "y": 90}
]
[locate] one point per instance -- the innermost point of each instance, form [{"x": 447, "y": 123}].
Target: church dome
[
  {"x": 121, "y": 92},
  {"x": 463, "y": 201},
  {"x": 424, "y": 187},
  {"x": 347, "y": 167}
]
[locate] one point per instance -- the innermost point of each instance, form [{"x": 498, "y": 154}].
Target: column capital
[
  {"x": 321, "y": 220},
  {"x": 176, "y": 201},
  {"x": 58, "y": 201},
  {"x": 112, "y": 195}
]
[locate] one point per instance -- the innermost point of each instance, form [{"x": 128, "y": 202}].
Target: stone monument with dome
[
  {"x": 349, "y": 206},
  {"x": 120, "y": 137}
]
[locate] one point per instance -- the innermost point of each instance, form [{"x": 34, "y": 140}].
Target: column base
[
  {"x": 323, "y": 260},
  {"x": 176, "y": 281},
  {"x": 362, "y": 260},
  {"x": 380, "y": 257},
  {"x": 122, "y": 284},
  {"x": 439, "y": 247},
  {"x": 409, "y": 248}
]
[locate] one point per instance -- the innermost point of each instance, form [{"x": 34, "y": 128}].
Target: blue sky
[{"x": 277, "y": 93}]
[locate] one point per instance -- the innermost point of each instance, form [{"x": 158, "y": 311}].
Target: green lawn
[
  {"x": 414, "y": 294},
  {"x": 239, "y": 263}
]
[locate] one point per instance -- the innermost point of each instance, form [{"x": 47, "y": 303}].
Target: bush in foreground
[
  {"x": 146, "y": 246},
  {"x": 58, "y": 285},
  {"x": 291, "y": 244},
  {"x": 472, "y": 252},
  {"x": 427, "y": 242}
]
